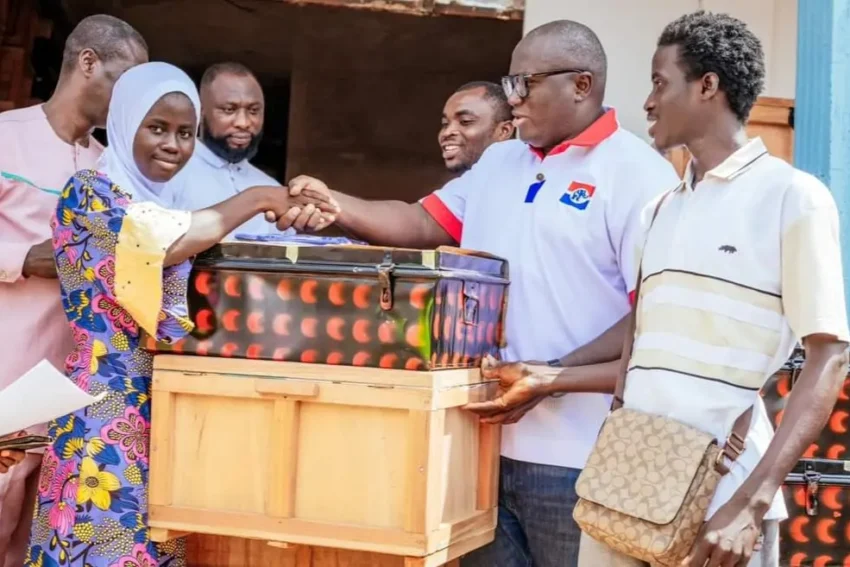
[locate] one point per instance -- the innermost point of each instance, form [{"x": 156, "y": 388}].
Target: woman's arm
[
  {"x": 127, "y": 249},
  {"x": 208, "y": 226}
]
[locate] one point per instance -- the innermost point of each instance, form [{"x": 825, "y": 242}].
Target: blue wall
[{"x": 822, "y": 106}]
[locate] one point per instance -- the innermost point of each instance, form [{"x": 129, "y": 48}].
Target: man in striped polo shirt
[{"x": 742, "y": 261}]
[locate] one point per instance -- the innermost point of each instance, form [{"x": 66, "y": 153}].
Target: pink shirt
[{"x": 33, "y": 326}]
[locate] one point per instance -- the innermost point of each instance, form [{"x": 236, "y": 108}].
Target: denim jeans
[{"x": 536, "y": 527}]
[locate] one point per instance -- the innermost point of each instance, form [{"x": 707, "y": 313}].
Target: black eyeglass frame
[{"x": 519, "y": 83}]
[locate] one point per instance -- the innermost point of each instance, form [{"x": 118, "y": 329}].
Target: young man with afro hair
[{"x": 742, "y": 261}]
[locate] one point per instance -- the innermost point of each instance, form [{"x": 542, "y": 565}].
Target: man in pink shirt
[{"x": 40, "y": 149}]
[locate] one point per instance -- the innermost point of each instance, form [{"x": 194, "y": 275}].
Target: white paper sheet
[{"x": 38, "y": 396}]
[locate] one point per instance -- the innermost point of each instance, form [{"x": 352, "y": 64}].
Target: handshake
[{"x": 306, "y": 205}]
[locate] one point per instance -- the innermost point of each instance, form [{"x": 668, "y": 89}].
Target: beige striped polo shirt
[{"x": 735, "y": 271}]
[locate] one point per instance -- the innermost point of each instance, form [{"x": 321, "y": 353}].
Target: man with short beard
[{"x": 232, "y": 114}]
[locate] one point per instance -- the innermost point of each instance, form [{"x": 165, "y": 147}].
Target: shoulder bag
[{"x": 648, "y": 483}]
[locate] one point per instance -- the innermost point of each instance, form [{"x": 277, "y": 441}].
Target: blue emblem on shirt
[
  {"x": 533, "y": 189},
  {"x": 578, "y": 195}
]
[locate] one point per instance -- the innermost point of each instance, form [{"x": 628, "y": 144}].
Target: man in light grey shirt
[{"x": 232, "y": 108}]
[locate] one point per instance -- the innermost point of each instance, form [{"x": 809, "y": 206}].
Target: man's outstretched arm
[{"x": 387, "y": 223}]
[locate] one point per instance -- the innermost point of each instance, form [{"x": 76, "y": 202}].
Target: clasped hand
[
  {"x": 306, "y": 205},
  {"x": 9, "y": 458},
  {"x": 39, "y": 261}
]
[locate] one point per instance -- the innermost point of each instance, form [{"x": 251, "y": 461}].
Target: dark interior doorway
[{"x": 352, "y": 96}]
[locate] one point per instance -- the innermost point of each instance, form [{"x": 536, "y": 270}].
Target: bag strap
[{"x": 735, "y": 443}]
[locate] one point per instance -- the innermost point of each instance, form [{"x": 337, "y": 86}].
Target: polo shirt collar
[
  {"x": 208, "y": 156},
  {"x": 593, "y": 135},
  {"x": 731, "y": 167}
]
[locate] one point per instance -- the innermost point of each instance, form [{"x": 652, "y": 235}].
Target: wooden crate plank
[
  {"x": 489, "y": 452},
  {"x": 162, "y": 450},
  {"x": 298, "y": 370},
  {"x": 282, "y": 466},
  {"x": 255, "y": 526},
  {"x": 220, "y": 551}
]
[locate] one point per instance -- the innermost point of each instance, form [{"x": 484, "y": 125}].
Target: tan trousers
[
  {"x": 595, "y": 554},
  {"x": 18, "y": 488}
]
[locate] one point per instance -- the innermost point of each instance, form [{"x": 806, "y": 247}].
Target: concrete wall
[{"x": 629, "y": 30}]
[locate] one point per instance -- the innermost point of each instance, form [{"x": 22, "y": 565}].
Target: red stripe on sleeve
[
  {"x": 632, "y": 298},
  {"x": 438, "y": 210}
]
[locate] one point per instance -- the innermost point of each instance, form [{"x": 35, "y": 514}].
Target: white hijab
[{"x": 135, "y": 93}]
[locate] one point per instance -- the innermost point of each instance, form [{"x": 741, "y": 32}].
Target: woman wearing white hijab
[
  {"x": 132, "y": 98},
  {"x": 123, "y": 262}
]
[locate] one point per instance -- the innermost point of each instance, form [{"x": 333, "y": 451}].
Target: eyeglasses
[{"x": 518, "y": 84}]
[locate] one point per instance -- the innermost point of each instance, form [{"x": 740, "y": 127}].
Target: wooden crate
[
  {"x": 362, "y": 459},
  {"x": 205, "y": 550}
]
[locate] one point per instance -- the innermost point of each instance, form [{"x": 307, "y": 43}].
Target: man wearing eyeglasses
[{"x": 562, "y": 205}]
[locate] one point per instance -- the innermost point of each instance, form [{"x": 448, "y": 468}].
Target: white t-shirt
[
  {"x": 567, "y": 222},
  {"x": 735, "y": 272},
  {"x": 208, "y": 180}
]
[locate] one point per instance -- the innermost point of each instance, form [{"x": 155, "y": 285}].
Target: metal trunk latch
[
  {"x": 470, "y": 303},
  {"x": 812, "y": 485},
  {"x": 385, "y": 279}
]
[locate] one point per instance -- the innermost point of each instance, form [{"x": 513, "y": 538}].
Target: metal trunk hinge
[{"x": 385, "y": 280}]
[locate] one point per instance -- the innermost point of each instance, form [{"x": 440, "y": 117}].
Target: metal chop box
[
  {"x": 350, "y": 305},
  {"x": 817, "y": 492}
]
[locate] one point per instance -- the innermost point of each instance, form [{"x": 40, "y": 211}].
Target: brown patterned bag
[{"x": 647, "y": 485}]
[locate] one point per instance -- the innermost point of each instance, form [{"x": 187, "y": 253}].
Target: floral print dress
[{"x": 92, "y": 508}]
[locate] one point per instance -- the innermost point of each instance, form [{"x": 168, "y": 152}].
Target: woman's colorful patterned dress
[{"x": 92, "y": 497}]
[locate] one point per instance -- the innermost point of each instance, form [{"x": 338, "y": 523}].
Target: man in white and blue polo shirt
[{"x": 562, "y": 205}]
